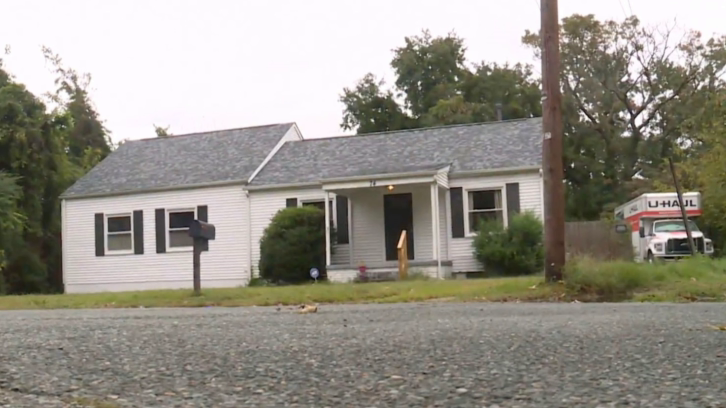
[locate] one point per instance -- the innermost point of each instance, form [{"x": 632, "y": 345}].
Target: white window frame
[
  {"x": 106, "y": 234},
  {"x": 170, "y": 248},
  {"x": 333, "y": 208},
  {"x": 500, "y": 188}
]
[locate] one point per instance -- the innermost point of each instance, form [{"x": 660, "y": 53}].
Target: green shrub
[
  {"x": 516, "y": 250},
  {"x": 293, "y": 243}
]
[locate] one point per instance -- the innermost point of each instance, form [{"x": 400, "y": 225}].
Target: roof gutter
[
  {"x": 154, "y": 190},
  {"x": 282, "y": 186},
  {"x": 419, "y": 173},
  {"x": 493, "y": 172}
]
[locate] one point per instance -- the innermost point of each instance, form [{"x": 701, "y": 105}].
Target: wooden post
[
  {"x": 402, "y": 249},
  {"x": 197, "y": 255},
  {"x": 684, "y": 215},
  {"x": 552, "y": 144}
]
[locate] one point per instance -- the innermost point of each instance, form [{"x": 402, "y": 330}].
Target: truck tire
[{"x": 651, "y": 258}]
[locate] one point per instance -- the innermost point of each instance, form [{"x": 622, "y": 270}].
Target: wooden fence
[{"x": 598, "y": 240}]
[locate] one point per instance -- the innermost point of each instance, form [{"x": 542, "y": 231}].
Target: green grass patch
[
  {"x": 322, "y": 293},
  {"x": 585, "y": 280},
  {"x": 697, "y": 279}
]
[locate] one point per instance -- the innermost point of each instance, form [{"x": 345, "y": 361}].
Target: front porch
[
  {"x": 389, "y": 271},
  {"x": 379, "y": 208}
]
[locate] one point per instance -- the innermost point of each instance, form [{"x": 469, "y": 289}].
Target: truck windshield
[{"x": 673, "y": 226}]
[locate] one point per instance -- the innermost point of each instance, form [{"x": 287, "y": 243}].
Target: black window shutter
[
  {"x": 203, "y": 215},
  {"x": 512, "y": 200},
  {"x": 457, "y": 212},
  {"x": 138, "y": 232},
  {"x": 341, "y": 209},
  {"x": 291, "y": 202},
  {"x": 160, "y": 230},
  {"x": 100, "y": 231}
]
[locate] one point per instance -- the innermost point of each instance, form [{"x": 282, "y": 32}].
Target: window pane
[
  {"x": 181, "y": 219},
  {"x": 119, "y": 242},
  {"x": 476, "y": 218},
  {"x": 179, "y": 239},
  {"x": 485, "y": 200},
  {"x": 119, "y": 224},
  {"x": 318, "y": 204}
]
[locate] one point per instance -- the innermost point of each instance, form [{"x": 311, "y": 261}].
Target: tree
[
  {"x": 33, "y": 152},
  {"x": 42, "y": 152},
  {"x": 89, "y": 141},
  {"x": 627, "y": 90},
  {"x": 435, "y": 86},
  {"x": 701, "y": 168},
  {"x": 162, "y": 131},
  {"x": 370, "y": 109},
  {"x": 11, "y": 221}
]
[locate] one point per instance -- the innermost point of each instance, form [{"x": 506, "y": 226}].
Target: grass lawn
[
  {"x": 585, "y": 280},
  {"x": 385, "y": 292}
]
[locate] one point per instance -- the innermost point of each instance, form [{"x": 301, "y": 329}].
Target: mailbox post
[{"x": 201, "y": 232}]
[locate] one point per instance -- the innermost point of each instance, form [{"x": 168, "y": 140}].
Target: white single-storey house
[
  {"x": 124, "y": 224},
  {"x": 434, "y": 183}
]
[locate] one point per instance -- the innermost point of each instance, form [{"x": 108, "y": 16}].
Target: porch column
[
  {"x": 434, "y": 218},
  {"x": 437, "y": 233},
  {"x": 327, "y": 228},
  {"x": 350, "y": 232}
]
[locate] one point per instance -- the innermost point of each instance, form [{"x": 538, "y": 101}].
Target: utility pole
[{"x": 552, "y": 144}]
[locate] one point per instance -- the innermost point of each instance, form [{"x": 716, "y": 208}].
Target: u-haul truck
[{"x": 657, "y": 228}]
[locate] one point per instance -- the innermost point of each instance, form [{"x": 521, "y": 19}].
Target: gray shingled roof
[
  {"x": 483, "y": 146},
  {"x": 176, "y": 161}
]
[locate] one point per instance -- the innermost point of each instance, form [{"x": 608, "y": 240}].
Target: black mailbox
[{"x": 203, "y": 230}]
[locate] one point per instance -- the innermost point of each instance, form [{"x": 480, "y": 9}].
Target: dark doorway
[{"x": 397, "y": 216}]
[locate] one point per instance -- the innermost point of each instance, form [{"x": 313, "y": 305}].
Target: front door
[{"x": 397, "y": 216}]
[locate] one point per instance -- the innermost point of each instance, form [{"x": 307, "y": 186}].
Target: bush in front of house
[
  {"x": 293, "y": 243},
  {"x": 516, "y": 250}
]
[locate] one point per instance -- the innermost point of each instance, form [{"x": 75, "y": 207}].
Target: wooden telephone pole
[{"x": 552, "y": 145}]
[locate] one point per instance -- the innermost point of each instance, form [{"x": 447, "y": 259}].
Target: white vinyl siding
[
  {"x": 369, "y": 245},
  {"x": 224, "y": 265},
  {"x": 367, "y": 221},
  {"x": 530, "y": 199},
  {"x": 266, "y": 203}
]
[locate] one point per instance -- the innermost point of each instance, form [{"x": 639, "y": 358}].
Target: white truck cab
[{"x": 657, "y": 228}]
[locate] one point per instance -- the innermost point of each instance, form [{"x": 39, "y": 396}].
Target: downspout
[
  {"x": 438, "y": 234},
  {"x": 249, "y": 235},
  {"x": 64, "y": 243}
]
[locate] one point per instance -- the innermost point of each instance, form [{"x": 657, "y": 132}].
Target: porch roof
[
  {"x": 472, "y": 147},
  {"x": 402, "y": 175}
]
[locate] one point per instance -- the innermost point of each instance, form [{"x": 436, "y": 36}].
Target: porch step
[{"x": 378, "y": 276}]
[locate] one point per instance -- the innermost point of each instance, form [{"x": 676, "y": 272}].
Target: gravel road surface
[{"x": 417, "y": 355}]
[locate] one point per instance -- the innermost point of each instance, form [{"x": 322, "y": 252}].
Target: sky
[{"x": 218, "y": 64}]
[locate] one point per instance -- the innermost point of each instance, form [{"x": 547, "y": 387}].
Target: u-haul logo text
[{"x": 671, "y": 203}]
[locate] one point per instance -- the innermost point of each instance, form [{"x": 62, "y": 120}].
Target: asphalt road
[{"x": 432, "y": 355}]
